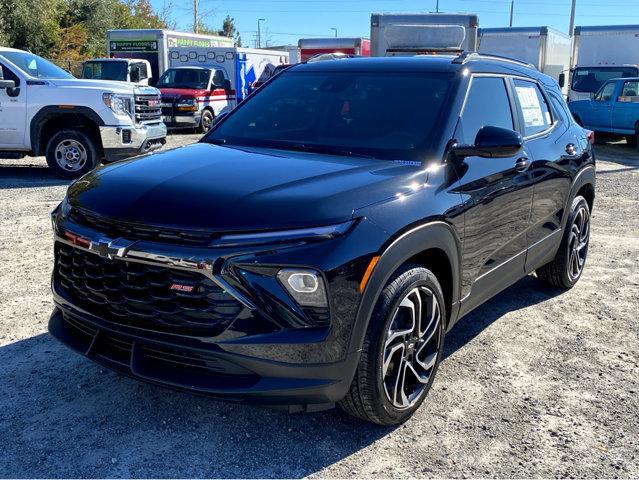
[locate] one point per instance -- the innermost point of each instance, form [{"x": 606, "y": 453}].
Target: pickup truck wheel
[
  {"x": 633, "y": 140},
  {"x": 401, "y": 351},
  {"x": 206, "y": 122},
  {"x": 71, "y": 153},
  {"x": 566, "y": 268}
]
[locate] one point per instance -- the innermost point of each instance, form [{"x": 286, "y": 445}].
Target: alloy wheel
[
  {"x": 411, "y": 347},
  {"x": 71, "y": 155},
  {"x": 578, "y": 242}
]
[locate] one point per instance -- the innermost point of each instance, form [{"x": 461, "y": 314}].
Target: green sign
[
  {"x": 185, "y": 42},
  {"x": 133, "y": 46}
]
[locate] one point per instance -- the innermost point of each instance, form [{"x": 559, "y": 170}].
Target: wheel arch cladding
[
  {"x": 53, "y": 118},
  {"x": 434, "y": 246},
  {"x": 584, "y": 185}
]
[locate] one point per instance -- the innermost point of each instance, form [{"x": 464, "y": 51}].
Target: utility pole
[
  {"x": 572, "y": 18},
  {"x": 512, "y": 8},
  {"x": 437, "y": 7},
  {"x": 334, "y": 29},
  {"x": 259, "y": 32},
  {"x": 195, "y": 16}
]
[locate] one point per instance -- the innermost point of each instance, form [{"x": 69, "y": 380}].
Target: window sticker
[{"x": 529, "y": 101}]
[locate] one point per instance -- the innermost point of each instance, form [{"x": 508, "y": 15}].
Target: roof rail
[{"x": 467, "y": 56}]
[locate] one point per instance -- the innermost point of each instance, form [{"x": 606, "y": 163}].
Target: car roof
[{"x": 475, "y": 63}]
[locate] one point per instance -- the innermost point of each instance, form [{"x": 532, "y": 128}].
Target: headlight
[
  {"x": 119, "y": 104},
  {"x": 188, "y": 104},
  {"x": 62, "y": 210},
  {"x": 305, "y": 286}
]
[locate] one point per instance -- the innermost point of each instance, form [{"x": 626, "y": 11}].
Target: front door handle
[{"x": 522, "y": 164}]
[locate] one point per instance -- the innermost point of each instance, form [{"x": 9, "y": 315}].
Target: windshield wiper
[{"x": 304, "y": 147}]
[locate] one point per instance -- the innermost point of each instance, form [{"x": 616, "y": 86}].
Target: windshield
[
  {"x": 590, "y": 79},
  {"x": 184, "y": 78},
  {"x": 384, "y": 115},
  {"x": 105, "y": 71},
  {"x": 35, "y": 66}
]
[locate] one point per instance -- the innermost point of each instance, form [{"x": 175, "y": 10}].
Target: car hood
[
  {"x": 217, "y": 188},
  {"x": 104, "y": 85}
]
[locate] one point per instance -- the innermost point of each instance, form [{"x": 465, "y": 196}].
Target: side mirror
[
  {"x": 4, "y": 84},
  {"x": 135, "y": 75},
  {"x": 562, "y": 80},
  {"x": 492, "y": 142},
  {"x": 226, "y": 84}
]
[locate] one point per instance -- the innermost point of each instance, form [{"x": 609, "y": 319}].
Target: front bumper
[
  {"x": 122, "y": 142},
  {"x": 209, "y": 371},
  {"x": 183, "y": 120},
  {"x": 271, "y": 353}
]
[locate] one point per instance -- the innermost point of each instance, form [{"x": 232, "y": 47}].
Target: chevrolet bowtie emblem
[{"x": 108, "y": 248}]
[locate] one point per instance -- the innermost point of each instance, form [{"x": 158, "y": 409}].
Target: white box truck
[
  {"x": 159, "y": 46},
  {"x": 600, "y": 53},
  {"x": 414, "y": 33},
  {"x": 544, "y": 47}
]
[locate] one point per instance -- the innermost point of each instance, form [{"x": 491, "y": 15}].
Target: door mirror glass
[
  {"x": 5, "y": 83},
  {"x": 492, "y": 142}
]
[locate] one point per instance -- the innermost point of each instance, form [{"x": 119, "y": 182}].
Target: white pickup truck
[{"x": 75, "y": 123}]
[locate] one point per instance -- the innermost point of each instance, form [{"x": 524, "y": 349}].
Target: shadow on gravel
[
  {"x": 526, "y": 292},
  {"x": 27, "y": 176},
  {"x": 619, "y": 153},
  {"x": 63, "y": 416}
]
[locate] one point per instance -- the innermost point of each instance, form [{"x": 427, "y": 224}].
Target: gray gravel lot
[{"x": 536, "y": 382}]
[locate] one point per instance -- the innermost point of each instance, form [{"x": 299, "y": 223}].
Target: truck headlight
[
  {"x": 187, "y": 104},
  {"x": 306, "y": 286},
  {"x": 119, "y": 104}
]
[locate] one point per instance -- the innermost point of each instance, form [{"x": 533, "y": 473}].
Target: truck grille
[
  {"x": 134, "y": 232},
  {"x": 140, "y": 295},
  {"x": 148, "y": 108}
]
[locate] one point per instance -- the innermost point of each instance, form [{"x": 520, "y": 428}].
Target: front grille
[
  {"x": 140, "y": 295},
  {"x": 148, "y": 108},
  {"x": 131, "y": 231}
]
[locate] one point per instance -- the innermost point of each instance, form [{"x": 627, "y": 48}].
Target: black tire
[
  {"x": 206, "y": 122},
  {"x": 633, "y": 140},
  {"x": 368, "y": 398},
  {"x": 560, "y": 272},
  {"x": 82, "y": 142}
]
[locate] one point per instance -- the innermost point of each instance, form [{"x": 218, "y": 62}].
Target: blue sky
[{"x": 288, "y": 20}]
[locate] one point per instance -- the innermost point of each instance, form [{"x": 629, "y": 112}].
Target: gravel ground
[{"x": 536, "y": 383}]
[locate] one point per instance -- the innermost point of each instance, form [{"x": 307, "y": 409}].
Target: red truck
[{"x": 309, "y": 47}]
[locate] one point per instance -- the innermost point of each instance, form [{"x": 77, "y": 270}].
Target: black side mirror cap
[
  {"x": 562, "y": 80},
  {"x": 492, "y": 142},
  {"x": 4, "y": 84}
]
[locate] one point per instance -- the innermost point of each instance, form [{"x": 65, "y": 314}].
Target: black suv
[{"x": 315, "y": 246}]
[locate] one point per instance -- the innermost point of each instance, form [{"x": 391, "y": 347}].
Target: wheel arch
[
  {"x": 53, "y": 118},
  {"x": 433, "y": 245},
  {"x": 584, "y": 185}
]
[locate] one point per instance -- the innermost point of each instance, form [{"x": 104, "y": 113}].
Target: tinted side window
[
  {"x": 559, "y": 107},
  {"x": 487, "y": 105},
  {"x": 630, "y": 89},
  {"x": 533, "y": 107},
  {"x": 218, "y": 78},
  {"x": 9, "y": 75}
]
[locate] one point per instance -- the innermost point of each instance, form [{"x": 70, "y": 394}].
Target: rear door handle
[{"x": 522, "y": 164}]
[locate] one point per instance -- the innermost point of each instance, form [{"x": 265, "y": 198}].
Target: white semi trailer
[
  {"x": 600, "y": 53},
  {"x": 395, "y": 34},
  {"x": 544, "y": 47}
]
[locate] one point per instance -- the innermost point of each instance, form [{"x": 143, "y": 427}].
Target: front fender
[{"x": 437, "y": 234}]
